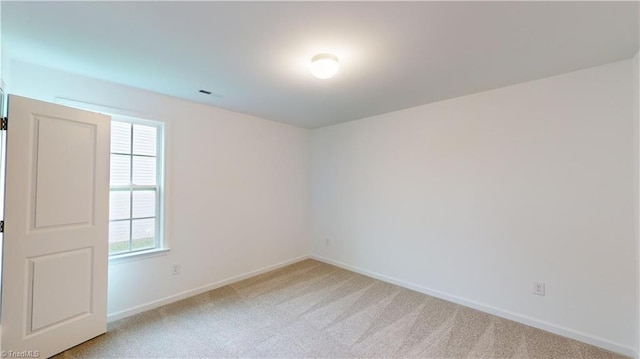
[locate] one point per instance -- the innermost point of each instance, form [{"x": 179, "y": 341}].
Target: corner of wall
[
  {"x": 5, "y": 69},
  {"x": 4, "y": 60},
  {"x": 636, "y": 123}
]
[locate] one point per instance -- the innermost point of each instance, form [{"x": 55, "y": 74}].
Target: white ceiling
[{"x": 393, "y": 55}]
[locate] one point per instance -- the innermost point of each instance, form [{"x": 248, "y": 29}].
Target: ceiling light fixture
[{"x": 324, "y": 66}]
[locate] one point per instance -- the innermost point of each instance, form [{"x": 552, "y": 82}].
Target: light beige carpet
[{"x": 311, "y": 310}]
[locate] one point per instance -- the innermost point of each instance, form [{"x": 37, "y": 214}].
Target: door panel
[
  {"x": 54, "y": 287},
  {"x": 54, "y": 164},
  {"x": 68, "y": 272}
]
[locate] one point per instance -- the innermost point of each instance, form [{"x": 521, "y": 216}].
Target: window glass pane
[
  {"x": 118, "y": 237},
  {"x": 120, "y": 169},
  {"x": 144, "y": 170},
  {"x": 119, "y": 205},
  {"x": 144, "y": 204},
  {"x": 144, "y": 140},
  {"x": 120, "y": 137},
  {"x": 144, "y": 233},
  {"x": 134, "y": 159}
]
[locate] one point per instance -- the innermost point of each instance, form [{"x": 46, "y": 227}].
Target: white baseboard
[
  {"x": 205, "y": 288},
  {"x": 533, "y": 322}
]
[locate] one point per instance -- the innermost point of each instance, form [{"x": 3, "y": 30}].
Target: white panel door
[{"x": 54, "y": 285}]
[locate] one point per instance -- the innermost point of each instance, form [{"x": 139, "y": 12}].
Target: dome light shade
[{"x": 324, "y": 66}]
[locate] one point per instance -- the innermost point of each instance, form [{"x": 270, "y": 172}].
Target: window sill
[{"x": 128, "y": 257}]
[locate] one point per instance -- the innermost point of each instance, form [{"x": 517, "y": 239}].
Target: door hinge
[
  {"x": 1, "y": 226},
  {"x": 3, "y": 124}
]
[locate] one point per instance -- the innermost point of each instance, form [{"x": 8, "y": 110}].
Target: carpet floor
[{"x": 311, "y": 310}]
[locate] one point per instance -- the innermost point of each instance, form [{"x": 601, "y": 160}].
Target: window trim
[
  {"x": 159, "y": 240},
  {"x": 134, "y": 256}
]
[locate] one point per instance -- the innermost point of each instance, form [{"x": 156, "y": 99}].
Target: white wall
[
  {"x": 1, "y": 53},
  {"x": 474, "y": 198},
  {"x": 238, "y": 188},
  {"x": 636, "y": 98}
]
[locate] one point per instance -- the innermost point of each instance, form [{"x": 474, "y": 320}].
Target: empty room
[{"x": 320, "y": 179}]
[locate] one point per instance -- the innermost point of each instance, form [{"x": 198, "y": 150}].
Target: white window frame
[
  {"x": 163, "y": 248},
  {"x": 160, "y": 244}
]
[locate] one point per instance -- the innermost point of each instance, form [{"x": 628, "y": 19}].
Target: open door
[{"x": 54, "y": 285}]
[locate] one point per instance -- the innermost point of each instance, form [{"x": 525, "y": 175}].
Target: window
[{"x": 135, "y": 197}]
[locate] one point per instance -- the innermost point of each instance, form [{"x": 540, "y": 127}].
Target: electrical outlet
[
  {"x": 326, "y": 241},
  {"x": 175, "y": 269},
  {"x": 538, "y": 288}
]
